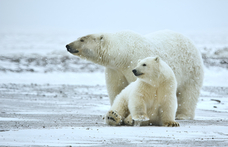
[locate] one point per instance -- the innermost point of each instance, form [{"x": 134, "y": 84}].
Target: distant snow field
[{"x": 52, "y": 98}]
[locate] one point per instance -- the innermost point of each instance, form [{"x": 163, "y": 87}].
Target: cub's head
[
  {"x": 148, "y": 69},
  {"x": 86, "y": 47}
]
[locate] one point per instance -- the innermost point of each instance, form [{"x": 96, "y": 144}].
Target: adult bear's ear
[
  {"x": 157, "y": 59},
  {"x": 102, "y": 38}
]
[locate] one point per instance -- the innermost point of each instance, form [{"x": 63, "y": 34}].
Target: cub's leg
[
  {"x": 168, "y": 118},
  {"x": 171, "y": 124},
  {"x": 130, "y": 122},
  {"x": 117, "y": 112},
  {"x": 113, "y": 118},
  {"x": 167, "y": 113},
  {"x": 138, "y": 109}
]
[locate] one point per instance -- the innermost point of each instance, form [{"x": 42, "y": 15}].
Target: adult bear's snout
[{"x": 68, "y": 48}]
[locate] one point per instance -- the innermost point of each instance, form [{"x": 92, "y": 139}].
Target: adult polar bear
[{"x": 120, "y": 52}]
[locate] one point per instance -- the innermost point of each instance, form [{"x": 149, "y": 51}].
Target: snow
[
  {"x": 54, "y": 78},
  {"x": 215, "y": 76},
  {"x": 51, "y": 98},
  {"x": 14, "y": 119},
  {"x": 95, "y": 136}
]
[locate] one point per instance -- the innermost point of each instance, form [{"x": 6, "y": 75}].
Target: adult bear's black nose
[{"x": 68, "y": 48}]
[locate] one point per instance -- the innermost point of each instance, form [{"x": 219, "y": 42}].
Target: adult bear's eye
[
  {"x": 144, "y": 64},
  {"x": 81, "y": 40}
]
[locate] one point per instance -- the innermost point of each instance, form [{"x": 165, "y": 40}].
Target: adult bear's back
[{"x": 178, "y": 52}]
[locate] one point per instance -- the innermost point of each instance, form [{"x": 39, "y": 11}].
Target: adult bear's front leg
[{"x": 115, "y": 83}]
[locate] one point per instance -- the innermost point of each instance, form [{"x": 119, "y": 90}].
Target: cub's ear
[
  {"x": 102, "y": 38},
  {"x": 157, "y": 59}
]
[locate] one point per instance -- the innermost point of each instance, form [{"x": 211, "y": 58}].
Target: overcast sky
[{"x": 113, "y": 15}]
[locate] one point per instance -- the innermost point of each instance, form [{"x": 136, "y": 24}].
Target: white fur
[
  {"x": 120, "y": 52},
  {"x": 151, "y": 97}
]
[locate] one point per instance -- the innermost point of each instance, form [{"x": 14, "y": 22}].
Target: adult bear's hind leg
[{"x": 187, "y": 97}]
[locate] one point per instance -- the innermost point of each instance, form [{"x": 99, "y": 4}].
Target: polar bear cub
[{"x": 151, "y": 99}]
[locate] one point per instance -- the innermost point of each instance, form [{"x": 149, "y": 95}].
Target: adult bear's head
[{"x": 87, "y": 47}]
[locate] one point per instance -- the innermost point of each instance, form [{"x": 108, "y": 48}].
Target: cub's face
[
  {"x": 86, "y": 47},
  {"x": 147, "y": 69}
]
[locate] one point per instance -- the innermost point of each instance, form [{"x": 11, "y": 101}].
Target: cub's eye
[
  {"x": 81, "y": 40},
  {"x": 144, "y": 64}
]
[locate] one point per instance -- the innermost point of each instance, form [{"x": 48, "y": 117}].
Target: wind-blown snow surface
[{"x": 49, "y": 97}]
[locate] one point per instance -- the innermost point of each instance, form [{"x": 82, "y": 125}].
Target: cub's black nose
[
  {"x": 134, "y": 71},
  {"x": 68, "y": 48}
]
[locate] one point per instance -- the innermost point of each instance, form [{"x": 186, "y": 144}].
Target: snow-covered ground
[{"x": 51, "y": 98}]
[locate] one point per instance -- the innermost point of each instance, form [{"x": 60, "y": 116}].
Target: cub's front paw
[
  {"x": 113, "y": 118},
  {"x": 128, "y": 121},
  {"x": 171, "y": 124},
  {"x": 183, "y": 117},
  {"x": 141, "y": 118}
]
